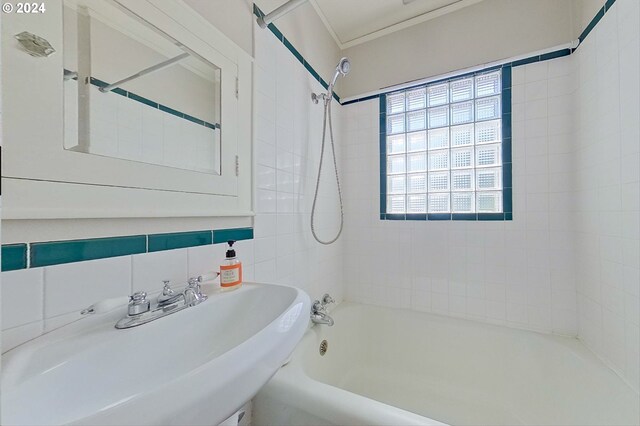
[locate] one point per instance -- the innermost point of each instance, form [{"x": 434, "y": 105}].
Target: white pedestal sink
[{"x": 194, "y": 367}]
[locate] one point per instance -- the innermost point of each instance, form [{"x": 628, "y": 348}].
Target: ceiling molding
[
  {"x": 326, "y": 23},
  {"x": 392, "y": 28}
]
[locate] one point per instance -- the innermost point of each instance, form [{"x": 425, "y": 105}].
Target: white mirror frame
[{"x": 43, "y": 181}]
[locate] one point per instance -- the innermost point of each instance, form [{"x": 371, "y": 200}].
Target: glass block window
[{"x": 444, "y": 147}]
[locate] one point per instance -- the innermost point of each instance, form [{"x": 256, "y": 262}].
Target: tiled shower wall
[
  {"x": 288, "y": 131},
  {"x": 287, "y": 137},
  {"x": 569, "y": 262},
  {"x": 607, "y": 178},
  {"x": 517, "y": 273}
]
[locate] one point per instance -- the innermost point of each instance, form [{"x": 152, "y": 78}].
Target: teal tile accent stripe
[
  {"x": 276, "y": 32},
  {"x": 14, "y": 256},
  {"x": 366, "y": 98},
  {"x": 134, "y": 97},
  {"x": 159, "y": 242},
  {"x": 224, "y": 235},
  {"x": 383, "y": 155},
  {"x": 58, "y": 252},
  {"x": 592, "y": 24}
]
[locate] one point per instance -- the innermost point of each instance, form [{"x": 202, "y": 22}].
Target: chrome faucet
[
  {"x": 168, "y": 296},
  {"x": 193, "y": 293},
  {"x": 140, "y": 312},
  {"x": 319, "y": 311}
]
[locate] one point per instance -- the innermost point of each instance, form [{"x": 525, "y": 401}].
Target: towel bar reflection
[{"x": 145, "y": 71}]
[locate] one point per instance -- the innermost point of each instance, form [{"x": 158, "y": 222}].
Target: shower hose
[{"x": 327, "y": 117}]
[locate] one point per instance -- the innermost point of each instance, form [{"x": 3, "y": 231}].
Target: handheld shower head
[{"x": 343, "y": 68}]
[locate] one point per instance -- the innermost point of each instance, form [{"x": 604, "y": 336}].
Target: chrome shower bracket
[{"x": 315, "y": 98}]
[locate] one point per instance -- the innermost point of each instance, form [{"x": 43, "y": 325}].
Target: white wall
[
  {"x": 607, "y": 159},
  {"x": 487, "y": 31},
  {"x": 233, "y": 18},
  {"x": 583, "y": 13},
  {"x": 517, "y": 273}
]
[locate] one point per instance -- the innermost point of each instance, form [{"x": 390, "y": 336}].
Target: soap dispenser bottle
[{"x": 230, "y": 270}]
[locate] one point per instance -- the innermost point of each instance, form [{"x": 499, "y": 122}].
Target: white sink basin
[{"x": 197, "y": 366}]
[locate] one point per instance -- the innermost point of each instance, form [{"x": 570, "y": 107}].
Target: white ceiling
[{"x": 352, "y": 22}]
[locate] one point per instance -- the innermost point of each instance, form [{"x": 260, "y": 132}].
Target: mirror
[{"x": 133, "y": 92}]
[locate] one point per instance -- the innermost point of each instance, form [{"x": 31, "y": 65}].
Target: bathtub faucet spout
[{"x": 319, "y": 314}]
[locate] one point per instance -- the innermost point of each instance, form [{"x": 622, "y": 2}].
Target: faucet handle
[
  {"x": 326, "y": 299},
  {"x": 138, "y": 303},
  {"x": 317, "y": 307},
  {"x": 194, "y": 283},
  {"x": 167, "y": 290},
  {"x": 193, "y": 293},
  {"x": 138, "y": 297}
]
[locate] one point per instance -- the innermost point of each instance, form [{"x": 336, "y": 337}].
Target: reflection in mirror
[{"x": 134, "y": 93}]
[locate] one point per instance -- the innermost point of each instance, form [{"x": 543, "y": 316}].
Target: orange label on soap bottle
[{"x": 230, "y": 275}]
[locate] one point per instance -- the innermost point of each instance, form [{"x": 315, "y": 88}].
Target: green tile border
[
  {"x": 14, "y": 256},
  {"x": 59, "y": 252},
  {"x": 592, "y": 24},
  {"x": 134, "y": 97},
  {"x": 176, "y": 240},
  {"x": 238, "y": 234}
]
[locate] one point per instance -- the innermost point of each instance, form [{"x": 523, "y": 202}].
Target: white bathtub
[{"x": 395, "y": 367}]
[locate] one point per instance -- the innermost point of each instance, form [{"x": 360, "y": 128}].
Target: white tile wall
[
  {"x": 17, "y": 285},
  {"x": 74, "y": 286},
  {"x": 288, "y": 130},
  {"x": 41, "y": 299},
  {"x": 518, "y": 273},
  {"x": 152, "y": 268},
  {"x": 573, "y": 245},
  {"x": 608, "y": 189}
]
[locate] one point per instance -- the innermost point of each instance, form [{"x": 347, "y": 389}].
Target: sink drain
[{"x": 324, "y": 345}]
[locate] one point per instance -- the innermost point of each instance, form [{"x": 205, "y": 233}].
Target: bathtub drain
[{"x": 324, "y": 345}]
